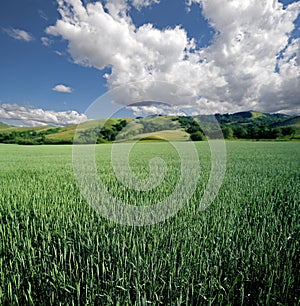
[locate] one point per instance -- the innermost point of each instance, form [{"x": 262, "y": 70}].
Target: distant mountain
[
  {"x": 257, "y": 125},
  {"x": 244, "y": 125},
  {"x": 251, "y": 117}
]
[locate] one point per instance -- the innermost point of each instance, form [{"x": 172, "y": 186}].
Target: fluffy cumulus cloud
[
  {"x": 37, "y": 116},
  {"x": 252, "y": 63},
  {"x": 62, "y": 88},
  {"x": 19, "y": 34}
]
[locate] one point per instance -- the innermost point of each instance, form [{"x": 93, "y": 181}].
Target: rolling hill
[{"x": 246, "y": 125}]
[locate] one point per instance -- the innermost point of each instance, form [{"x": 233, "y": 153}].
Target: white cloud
[
  {"x": 62, "y": 88},
  {"x": 58, "y": 53},
  {"x": 46, "y": 41},
  {"x": 236, "y": 72},
  {"x": 143, "y": 3},
  {"x": 154, "y": 110},
  {"x": 119, "y": 8},
  {"x": 19, "y": 34},
  {"x": 250, "y": 36},
  {"x": 38, "y": 116},
  {"x": 151, "y": 108}
]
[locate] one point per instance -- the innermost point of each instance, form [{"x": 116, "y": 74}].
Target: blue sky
[{"x": 51, "y": 72}]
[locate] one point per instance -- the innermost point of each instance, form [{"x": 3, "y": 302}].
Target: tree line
[
  {"x": 234, "y": 131},
  {"x": 27, "y": 137},
  {"x": 32, "y": 137}
]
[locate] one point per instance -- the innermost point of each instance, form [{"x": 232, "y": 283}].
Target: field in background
[{"x": 243, "y": 250}]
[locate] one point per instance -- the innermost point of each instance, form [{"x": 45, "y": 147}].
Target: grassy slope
[
  {"x": 250, "y": 114},
  {"x": 67, "y": 133},
  {"x": 9, "y": 129},
  {"x": 171, "y": 135},
  {"x": 165, "y": 128},
  {"x": 3, "y": 125},
  {"x": 257, "y": 114}
]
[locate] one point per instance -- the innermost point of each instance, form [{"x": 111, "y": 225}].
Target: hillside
[
  {"x": 3, "y": 125},
  {"x": 66, "y": 134},
  {"x": 293, "y": 122},
  {"x": 241, "y": 125},
  {"x": 252, "y": 117},
  {"x": 171, "y": 135}
]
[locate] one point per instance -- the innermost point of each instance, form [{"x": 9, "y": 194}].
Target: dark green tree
[
  {"x": 197, "y": 136},
  {"x": 227, "y": 132}
]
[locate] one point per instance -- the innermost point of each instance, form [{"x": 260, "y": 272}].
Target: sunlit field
[{"x": 244, "y": 249}]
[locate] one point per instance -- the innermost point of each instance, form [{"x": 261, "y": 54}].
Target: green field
[{"x": 244, "y": 249}]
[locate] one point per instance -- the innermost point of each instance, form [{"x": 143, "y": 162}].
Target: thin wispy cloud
[
  {"x": 19, "y": 34},
  {"x": 43, "y": 15},
  {"x": 62, "y": 88}
]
